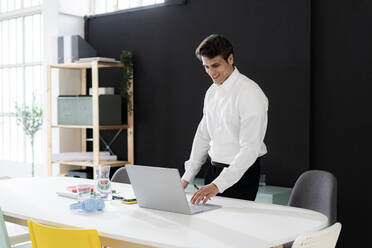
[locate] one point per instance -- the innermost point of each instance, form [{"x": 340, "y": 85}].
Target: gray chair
[
  {"x": 316, "y": 190},
  {"x": 120, "y": 176}
]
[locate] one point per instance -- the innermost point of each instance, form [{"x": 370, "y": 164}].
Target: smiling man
[{"x": 232, "y": 129}]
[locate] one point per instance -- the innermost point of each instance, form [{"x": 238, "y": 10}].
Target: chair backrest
[
  {"x": 316, "y": 190},
  {"x": 4, "y": 238},
  {"x": 120, "y": 176},
  {"x": 326, "y": 238},
  {"x": 46, "y": 237}
]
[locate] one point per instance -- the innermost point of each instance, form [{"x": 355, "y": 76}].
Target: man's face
[{"x": 218, "y": 68}]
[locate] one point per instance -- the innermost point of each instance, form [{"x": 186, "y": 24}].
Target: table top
[{"x": 237, "y": 224}]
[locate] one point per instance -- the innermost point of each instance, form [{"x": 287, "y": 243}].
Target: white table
[{"x": 238, "y": 224}]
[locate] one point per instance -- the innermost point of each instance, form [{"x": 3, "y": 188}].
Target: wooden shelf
[
  {"x": 112, "y": 163},
  {"x": 94, "y": 65},
  {"x": 86, "y": 65},
  {"x": 100, "y": 127}
]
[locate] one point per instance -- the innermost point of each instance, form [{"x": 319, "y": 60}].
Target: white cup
[{"x": 83, "y": 191}]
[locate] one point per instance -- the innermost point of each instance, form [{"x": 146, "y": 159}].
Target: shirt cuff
[
  {"x": 188, "y": 176},
  {"x": 220, "y": 184}
]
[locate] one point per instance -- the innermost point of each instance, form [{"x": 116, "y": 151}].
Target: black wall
[
  {"x": 341, "y": 116},
  {"x": 272, "y": 46},
  {"x": 339, "y": 73}
]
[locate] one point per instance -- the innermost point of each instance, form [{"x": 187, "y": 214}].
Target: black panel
[
  {"x": 272, "y": 45},
  {"x": 341, "y": 108}
]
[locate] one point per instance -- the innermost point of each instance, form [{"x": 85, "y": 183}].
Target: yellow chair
[{"x": 46, "y": 237}]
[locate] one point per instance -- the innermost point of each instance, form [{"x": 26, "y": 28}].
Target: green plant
[
  {"x": 31, "y": 118},
  {"x": 126, "y": 82}
]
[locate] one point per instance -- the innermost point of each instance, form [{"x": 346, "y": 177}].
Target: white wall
[
  {"x": 70, "y": 139},
  {"x": 63, "y": 18},
  {"x": 74, "y": 7}
]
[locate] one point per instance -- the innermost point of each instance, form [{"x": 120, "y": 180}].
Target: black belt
[{"x": 219, "y": 165}]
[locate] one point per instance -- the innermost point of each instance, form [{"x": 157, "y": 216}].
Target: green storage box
[{"x": 77, "y": 110}]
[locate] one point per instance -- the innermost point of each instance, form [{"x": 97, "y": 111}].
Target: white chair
[
  {"x": 18, "y": 235},
  {"x": 326, "y": 238}
]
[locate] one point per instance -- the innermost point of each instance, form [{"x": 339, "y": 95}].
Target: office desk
[{"x": 238, "y": 224}]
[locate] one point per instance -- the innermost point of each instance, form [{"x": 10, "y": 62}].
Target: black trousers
[{"x": 246, "y": 188}]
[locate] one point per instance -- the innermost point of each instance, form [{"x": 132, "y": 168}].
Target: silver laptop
[{"x": 161, "y": 188}]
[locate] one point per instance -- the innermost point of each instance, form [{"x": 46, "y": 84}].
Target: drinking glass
[
  {"x": 102, "y": 182},
  {"x": 83, "y": 191}
]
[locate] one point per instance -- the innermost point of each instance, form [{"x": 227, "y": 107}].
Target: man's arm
[{"x": 198, "y": 154}]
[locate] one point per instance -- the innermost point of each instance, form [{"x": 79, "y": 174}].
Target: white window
[
  {"x": 104, "y": 6},
  {"x": 21, "y": 75},
  {"x": 12, "y": 5}
]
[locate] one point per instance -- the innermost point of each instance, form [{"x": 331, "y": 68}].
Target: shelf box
[{"x": 77, "y": 110}]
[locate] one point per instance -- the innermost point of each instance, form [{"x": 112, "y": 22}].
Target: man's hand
[
  {"x": 204, "y": 194},
  {"x": 184, "y": 183}
]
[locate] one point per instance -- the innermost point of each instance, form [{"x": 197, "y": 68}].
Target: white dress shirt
[{"x": 231, "y": 131}]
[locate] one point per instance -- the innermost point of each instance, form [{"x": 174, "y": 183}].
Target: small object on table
[
  {"x": 89, "y": 205},
  {"x": 129, "y": 201}
]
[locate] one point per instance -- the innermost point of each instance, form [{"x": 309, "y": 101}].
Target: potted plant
[
  {"x": 31, "y": 118},
  {"x": 126, "y": 82}
]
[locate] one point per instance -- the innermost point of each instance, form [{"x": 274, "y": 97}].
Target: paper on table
[{"x": 68, "y": 195}]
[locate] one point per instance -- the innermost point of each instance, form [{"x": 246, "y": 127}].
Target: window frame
[
  {"x": 23, "y": 67},
  {"x": 116, "y": 9}
]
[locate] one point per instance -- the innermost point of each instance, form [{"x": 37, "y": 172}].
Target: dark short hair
[{"x": 213, "y": 46}]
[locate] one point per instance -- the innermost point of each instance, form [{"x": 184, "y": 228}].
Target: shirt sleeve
[
  {"x": 253, "y": 124},
  {"x": 199, "y": 151}
]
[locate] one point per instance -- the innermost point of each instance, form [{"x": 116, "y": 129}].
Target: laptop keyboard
[{"x": 196, "y": 207}]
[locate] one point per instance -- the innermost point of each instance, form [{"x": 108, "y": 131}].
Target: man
[{"x": 232, "y": 129}]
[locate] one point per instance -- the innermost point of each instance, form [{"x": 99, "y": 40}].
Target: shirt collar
[{"x": 227, "y": 84}]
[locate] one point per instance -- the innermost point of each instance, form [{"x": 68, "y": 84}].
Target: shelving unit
[{"x": 94, "y": 65}]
